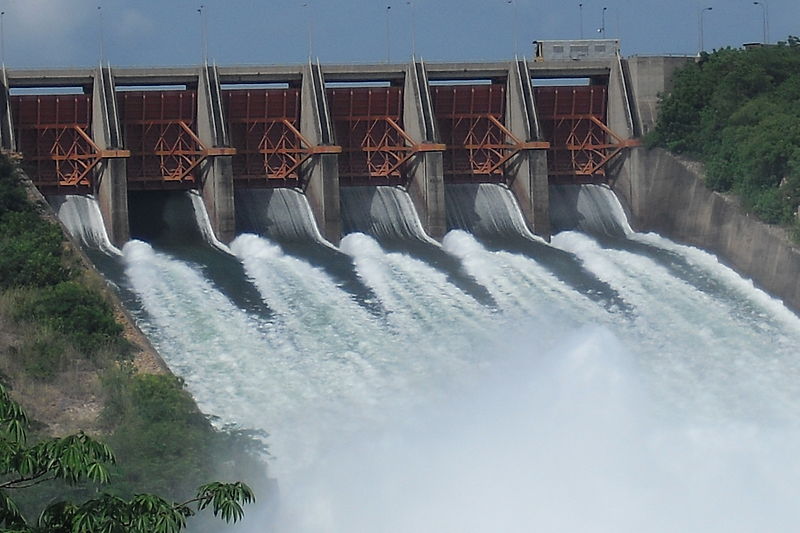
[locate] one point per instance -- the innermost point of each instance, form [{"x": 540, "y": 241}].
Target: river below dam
[{"x": 608, "y": 381}]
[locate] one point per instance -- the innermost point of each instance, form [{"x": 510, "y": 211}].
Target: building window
[{"x": 579, "y": 51}]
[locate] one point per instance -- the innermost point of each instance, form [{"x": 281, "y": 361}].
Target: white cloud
[
  {"x": 47, "y": 31},
  {"x": 134, "y": 22}
]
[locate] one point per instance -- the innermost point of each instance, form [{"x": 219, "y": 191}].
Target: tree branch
[
  {"x": 42, "y": 480},
  {"x": 10, "y": 484}
]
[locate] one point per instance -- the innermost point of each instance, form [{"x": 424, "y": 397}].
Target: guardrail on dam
[{"x": 317, "y": 128}]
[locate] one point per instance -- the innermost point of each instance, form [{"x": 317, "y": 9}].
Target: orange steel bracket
[
  {"x": 515, "y": 147},
  {"x": 74, "y": 162},
  {"x": 187, "y": 151},
  {"x": 325, "y": 149},
  {"x": 400, "y": 153},
  {"x": 593, "y": 145}
]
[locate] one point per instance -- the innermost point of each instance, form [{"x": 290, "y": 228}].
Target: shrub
[
  {"x": 739, "y": 112},
  {"x": 31, "y": 251},
  {"x": 154, "y": 416},
  {"x": 43, "y": 359},
  {"x": 81, "y": 315}
]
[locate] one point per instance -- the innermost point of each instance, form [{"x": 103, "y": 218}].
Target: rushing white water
[
  {"x": 592, "y": 208},
  {"x": 282, "y": 214},
  {"x": 544, "y": 411},
  {"x": 384, "y": 212},
  {"x": 80, "y": 214},
  {"x": 486, "y": 209},
  {"x": 204, "y": 223}
]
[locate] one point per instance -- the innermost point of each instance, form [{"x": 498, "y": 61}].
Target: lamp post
[
  {"x": 388, "y": 36},
  {"x": 602, "y": 29},
  {"x": 764, "y": 21},
  {"x": 310, "y": 28},
  {"x": 700, "y": 22},
  {"x": 101, "y": 36},
  {"x": 3, "y": 39},
  {"x": 513, "y": 5},
  {"x": 410, "y": 4},
  {"x": 580, "y": 17},
  {"x": 203, "y": 34}
]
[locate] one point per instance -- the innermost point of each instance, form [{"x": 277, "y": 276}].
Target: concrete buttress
[
  {"x": 111, "y": 183},
  {"x": 216, "y": 172},
  {"x": 426, "y": 168},
  {"x": 527, "y": 171},
  {"x": 321, "y": 172}
]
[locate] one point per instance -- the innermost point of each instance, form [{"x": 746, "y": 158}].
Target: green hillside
[{"x": 738, "y": 111}]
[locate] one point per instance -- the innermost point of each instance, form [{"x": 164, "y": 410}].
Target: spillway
[{"x": 612, "y": 382}]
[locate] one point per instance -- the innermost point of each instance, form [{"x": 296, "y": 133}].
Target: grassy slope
[{"x": 71, "y": 359}]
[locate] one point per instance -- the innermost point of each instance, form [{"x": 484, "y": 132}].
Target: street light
[
  {"x": 514, "y": 26},
  {"x": 764, "y": 21},
  {"x": 580, "y": 17},
  {"x": 602, "y": 29},
  {"x": 388, "y": 36},
  {"x": 310, "y": 28},
  {"x": 410, "y": 4},
  {"x": 101, "y": 35},
  {"x": 700, "y": 22},
  {"x": 3, "y": 39},
  {"x": 203, "y": 33}
]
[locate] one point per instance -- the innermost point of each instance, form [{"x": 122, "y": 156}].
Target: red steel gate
[
  {"x": 573, "y": 120},
  {"x": 53, "y": 136},
  {"x": 471, "y": 122},
  {"x": 369, "y": 128},
  {"x": 159, "y": 129},
  {"x": 265, "y": 130}
]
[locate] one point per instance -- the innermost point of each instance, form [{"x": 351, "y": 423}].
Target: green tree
[
  {"x": 79, "y": 458},
  {"x": 738, "y": 111}
]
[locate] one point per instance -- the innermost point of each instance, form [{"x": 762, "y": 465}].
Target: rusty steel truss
[
  {"x": 471, "y": 119},
  {"x": 265, "y": 131},
  {"x": 582, "y": 144},
  {"x": 369, "y": 127},
  {"x": 159, "y": 127},
  {"x": 53, "y": 136}
]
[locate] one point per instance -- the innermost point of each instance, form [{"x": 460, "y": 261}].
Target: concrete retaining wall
[{"x": 666, "y": 194}]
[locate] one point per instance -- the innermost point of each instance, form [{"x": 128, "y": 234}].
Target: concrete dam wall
[{"x": 666, "y": 194}]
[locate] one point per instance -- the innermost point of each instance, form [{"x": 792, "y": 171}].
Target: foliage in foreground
[
  {"x": 62, "y": 324},
  {"x": 79, "y": 458},
  {"x": 738, "y": 111}
]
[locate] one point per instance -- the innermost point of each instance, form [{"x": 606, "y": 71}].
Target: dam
[
  {"x": 318, "y": 129},
  {"x": 443, "y": 319}
]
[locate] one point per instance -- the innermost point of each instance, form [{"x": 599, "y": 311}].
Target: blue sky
[{"x": 61, "y": 33}]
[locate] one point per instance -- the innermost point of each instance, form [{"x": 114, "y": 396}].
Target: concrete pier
[
  {"x": 216, "y": 171},
  {"x": 111, "y": 184},
  {"x": 426, "y": 168},
  {"x": 527, "y": 170},
  {"x": 321, "y": 172}
]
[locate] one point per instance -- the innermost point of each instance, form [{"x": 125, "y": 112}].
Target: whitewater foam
[
  {"x": 547, "y": 411},
  {"x": 81, "y": 215}
]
